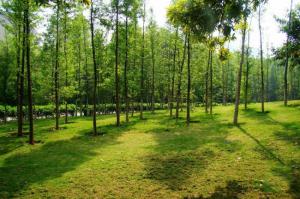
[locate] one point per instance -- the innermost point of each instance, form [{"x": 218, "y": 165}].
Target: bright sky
[{"x": 272, "y": 36}]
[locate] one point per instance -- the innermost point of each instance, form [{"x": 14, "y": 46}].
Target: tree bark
[
  {"x": 117, "y": 66},
  {"x": 188, "y": 115},
  {"x": 206, "y": 81},
  {"x": 153, "y": 74},
  {"x": 29, "y": 83},
  {"x": 287, "y": 59},
  {"x": 178, "y": 97},
  {"x": 86, "y": 78},
  {"x": 79, "y": 80},
  {"x": 21, "y": 79},
  {"x": 95, "y": 71},
  {"x": 66, "y": 60},
  {"x": 126, "y": 68},
  {"x": 247, "y": 71},
  {"x": 142, "y": 67},
  {"x": 211, "y": 83},
  {"x": 56, "y": 74},
  {"x": 239, "y": 75},
  {"x": 173, "y": 74},
  {"x": 261, "y": 63}
]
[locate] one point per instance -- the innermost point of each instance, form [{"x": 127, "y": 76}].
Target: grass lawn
[{"x": 158, "y": 158}]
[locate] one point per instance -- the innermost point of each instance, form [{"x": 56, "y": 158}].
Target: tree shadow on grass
[
  {"x": 49, "y": 161},
  {"x": 290, "y": 134},
  {"x": 9, "y": 143},
  {"x": 267, "y": 152},
  {"x": 262, "y": 117},
  {"x": 232, "y": 190},
  {"x": 292, "y": 174},
  {"x": 181, "y": 153}
]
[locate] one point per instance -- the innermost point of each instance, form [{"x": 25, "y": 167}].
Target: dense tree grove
[{"x": 110, "y": 57}]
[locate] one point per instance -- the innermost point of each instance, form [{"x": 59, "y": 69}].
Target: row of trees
[{"x": 116, "y": 54}]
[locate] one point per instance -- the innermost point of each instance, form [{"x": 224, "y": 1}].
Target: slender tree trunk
[
  {"x": 226, "y": 82},
  {"x": 66, "y": 59},
  {"x": 126, "y": 68},
  {"x": 5, "y": 79},
  {"x": 153, "y": 74},
  {"x": 56, "y": 75},
  {"x": 117, "y": 66},
  {"x": 142, "y": 68},
  {"x": 239, "y": 75},
  {"x": 30, "y": 109},
  {"x": 287, "y": 59},
  {"x": 86, "y": 78},
  {"x": 95, "y": 71},
  {"x": 188, "y": 116},
  {"x": 134, "y": 64},
  {"x": 223, "y": 83},
  {"x": 211, "y": 83},
  {"x": 20, "y": 79},
  {"x": 173, "y": 74},
  {"x": 261, "y": 63},
  {"x": 79, "y": 79},
  {"x": 247, "y": 71},
  {"x": 267, "y": 77},
  {"x": 178, "y": 97},
  {"x": 206, "y": 81}
]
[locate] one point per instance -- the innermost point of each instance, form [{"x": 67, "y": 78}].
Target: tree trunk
[
  {"x": 20, "y": 80},
  {"x": 188, "y": 116},
  {"x": 142, "y": 67},
  {"x": 117, "y": 66},
  {"x": 95, "y": 71},
  {"x": 247, "y": 71},
  {"x": 223, "y": 83},
  {"x": 29, "y": 83},
  {"x": 239, "y": 75},
  {"x": 126, "y": 68},
  {"x": 173, "y": 74},
  {"x": 261, "y": 63},
  {"x": 287, "y": 59},
  {"x": 211, "y": 83},
  {"x": 178, "y": 97},
  {"x": 66, "y": 59},
  {"x": 153, "y": 75},
  {"x": 86, "y": 71},
  {"x": 56, "y": 75},
  {"x": 206, "y": 81},
  {"x": 79, "y": 80}
]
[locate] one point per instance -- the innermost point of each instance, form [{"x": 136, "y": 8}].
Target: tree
[
  {"x": 66, "y": 59},
  {"x": 142, "y": 65},
  {"x": 188, "y": 100},
  {"x": 287, "y": 58},
  {"x": 173, "y": 72},
  {"x": 153, "y": 59},
  {"x": 95, "y": 70},
  {"x": 126, "y": 62},
  {"x": 222, "y": 15},
  {"x": 261, "y": 62},
  {"x": 178, "y": 96},
  {"x": 28, "y": 67},
  {"x": 239, "y": 75},
  {"x": 117, "y": 81},
  {"x": 12, "y": 11},
  {"x": 245, "y": 13},
  {"x": 56, "y": 70}
]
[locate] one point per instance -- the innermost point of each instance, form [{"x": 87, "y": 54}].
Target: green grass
[{"x": 158, "y": 157}]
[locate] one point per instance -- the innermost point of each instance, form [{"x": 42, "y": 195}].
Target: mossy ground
[{"x": 158, "y": 157}]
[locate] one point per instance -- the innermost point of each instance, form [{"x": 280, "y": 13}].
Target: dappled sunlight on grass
[{"x": 158, "y": 157}]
